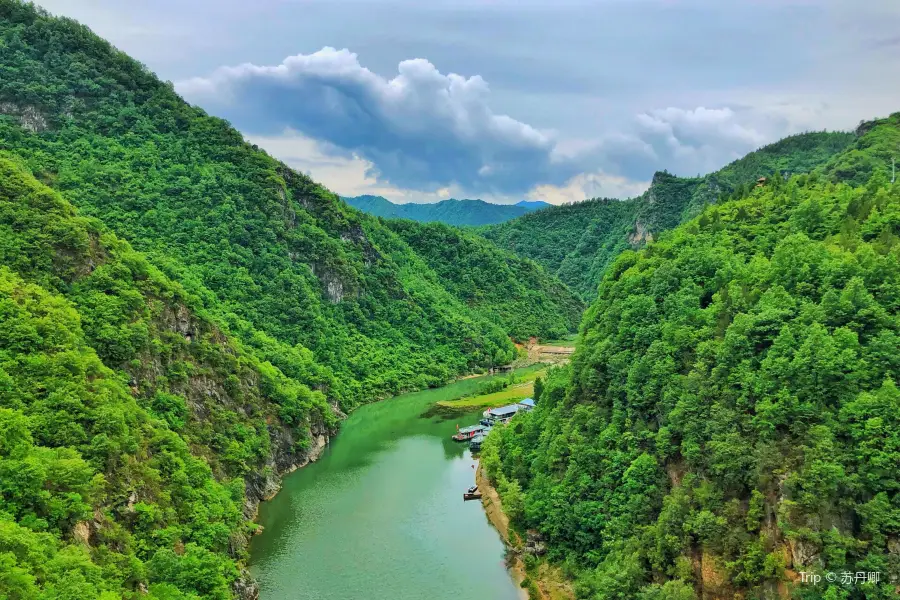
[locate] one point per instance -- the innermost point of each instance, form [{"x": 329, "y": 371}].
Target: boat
[
  {"x": 475, "y": 442},
  {"x": 467, "y": 433},
  {"x": 472, "y": 494}
]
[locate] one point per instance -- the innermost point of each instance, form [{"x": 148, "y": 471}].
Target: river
[{"x": 380, "y": 516}]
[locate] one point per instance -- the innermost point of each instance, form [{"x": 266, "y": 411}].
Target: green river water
[{"x": 380, "y": 516}]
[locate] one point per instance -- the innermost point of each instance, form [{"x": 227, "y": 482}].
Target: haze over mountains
[{"x": 451, "y": 211}]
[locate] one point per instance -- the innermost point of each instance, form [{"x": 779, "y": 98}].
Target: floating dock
[{"x": 473, "y": 493}]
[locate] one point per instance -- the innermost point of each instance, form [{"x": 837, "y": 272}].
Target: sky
[{"x": 505, "y": 100}]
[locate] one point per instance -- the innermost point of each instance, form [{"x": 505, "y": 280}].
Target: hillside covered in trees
[
  {"x": 731, "y": 415},
  {"x": 450, "y": 212},
  {"x": 184, "y": 318},
  {"x": 514, "y": 292},
  {"x": 281, "y": 260},
  {"x": 128, "y": 418},
  {"x": 579, "y": 241}
]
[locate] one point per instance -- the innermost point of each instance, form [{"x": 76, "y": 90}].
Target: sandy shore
[
  {"x": 549, "y": 581},
  {"x": 493, "y": 508}
]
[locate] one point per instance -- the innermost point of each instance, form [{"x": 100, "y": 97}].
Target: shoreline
[
  {"x": 493, "y": 510},
  {"x": 262, "y": 487},
  {"x": 547, "y": 581}
]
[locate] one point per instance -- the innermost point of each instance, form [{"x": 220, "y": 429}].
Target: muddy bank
[
  {"x": 493, "y": 508},
  {"x": 548, "y": 583}
]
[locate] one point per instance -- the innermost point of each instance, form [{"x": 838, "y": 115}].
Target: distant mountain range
[{"x": 451, "y": 212}]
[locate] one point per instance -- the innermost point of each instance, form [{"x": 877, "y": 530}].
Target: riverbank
[
  {"x": 471, "y": 402},
  {"x": 383, "y": 496},
  {"x": 547, "y": 582}
]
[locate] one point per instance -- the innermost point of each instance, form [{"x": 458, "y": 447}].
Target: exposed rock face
[
  {"x": 334, "y": 290},
  {"x": 658, "y": 178},
  {"x": 712, "y": 577},
  {"x": 263, "y": 485},
  {"x": 284, "y": 459},
  {"x": 331, "y": 283},
  {"x": 30, "y": 118},
  {"x": 534, "y": 544},
  {"x": 894, "y": 545},
  {"x": 82, "y": 532},
  {"x": 245, "y": 587},
  {"x": 865, "y": 127},
  {"x": 803, "y": 553},
  {"x": 203, "y": 393},
  {"x": 640, "y": 235}
]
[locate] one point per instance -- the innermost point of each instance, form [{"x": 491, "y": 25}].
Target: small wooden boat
[{"x": 472, "y": 494}]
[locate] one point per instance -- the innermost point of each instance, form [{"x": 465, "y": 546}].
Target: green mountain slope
[
  {"x": 181, "y": 319},
  {"x": 731, "y": 416},
  {"x": 272, "y": 254},
  {"x": 141, "y": 474},
  {"x": 515, "y": 293},
  {"x": 451, "y": 212},
  {"x": 578, "y": 242}
]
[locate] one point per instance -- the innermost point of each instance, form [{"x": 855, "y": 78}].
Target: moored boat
[
  {"x": 472, "y": 493},
  {"x": 467, "y": 433}
]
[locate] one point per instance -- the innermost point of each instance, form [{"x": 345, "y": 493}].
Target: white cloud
[
  {"x": 347, "y": 175},
  {"x": 589, "y": 185},
  {"x": 420, "y": 129}
]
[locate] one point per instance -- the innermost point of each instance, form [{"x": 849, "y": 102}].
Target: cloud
[
  {"x": 589, "y": 185},
  {"x": 423, "y": 134},
  {"x": 421, "y": 129},
  {"x": 690, "y": 141},
  {"x": 345, "y": 174},
  {"x": 426, "y": 131},
  {"x": 701, "y": 139}
]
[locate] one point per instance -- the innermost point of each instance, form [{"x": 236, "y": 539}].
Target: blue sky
[{"x": 556, "y": 100}]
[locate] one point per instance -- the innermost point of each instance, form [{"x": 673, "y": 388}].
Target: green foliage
[
  {"x": 735, "y": 394},
  {"x": 496, "y": 384},
  {"x": 147, "y": 386},
  {"x": 513, "y": 292},
  {"x": 579, "y": 242},
  {"x": 328, "y": 295},
  {"x": 575, "y": 241},
  {"x": 76, "y": 444},
  {"x": 88, "y": 456}
]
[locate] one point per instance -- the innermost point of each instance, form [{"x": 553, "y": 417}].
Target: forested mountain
[
  {"x": 181, "y": 320},
  {"x": 532, "y": 204},
  {"x": 450, "y": 212},
  {"x": 578, "y": 242},
  {"x": 115, "y": 477},
  {"x": 513, "y": 292},
  {"x": 269, "y": 251},
  {"x": 731, "y": 415}
]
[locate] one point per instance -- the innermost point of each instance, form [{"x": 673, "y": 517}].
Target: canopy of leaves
[
  {"x": 513, "y": 292},
  {"x": 578, "y": 242},
  {"x": 280, "y": 262},
  {"x": 732, "y": 413},
  {"x": 151, "y": 388},
  {"x": 103, "y": 472}
]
